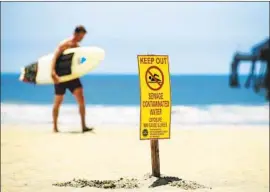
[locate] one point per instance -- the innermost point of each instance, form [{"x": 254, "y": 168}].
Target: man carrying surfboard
[{"x": 74, "y": 86}]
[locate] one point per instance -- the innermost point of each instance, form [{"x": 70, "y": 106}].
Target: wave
[{"x": 103, "y": 115}]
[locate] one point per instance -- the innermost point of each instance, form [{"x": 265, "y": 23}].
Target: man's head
[{"x": 79, "y": 33}]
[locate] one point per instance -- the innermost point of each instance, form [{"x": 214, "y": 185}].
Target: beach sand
[{"x": 225, "y": 158}]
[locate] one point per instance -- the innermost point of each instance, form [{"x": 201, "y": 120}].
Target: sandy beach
[
  {"x": 200, "y": 69},
  {"x": 225, "y": 158}
]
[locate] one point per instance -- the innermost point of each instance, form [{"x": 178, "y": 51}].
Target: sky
[{"x": 199, "y": 37}]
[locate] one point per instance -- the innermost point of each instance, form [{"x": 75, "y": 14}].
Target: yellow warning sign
[{"x": 155, "y": 120}]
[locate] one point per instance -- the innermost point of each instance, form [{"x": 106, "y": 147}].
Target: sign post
[{"x": 155, "y": 91}]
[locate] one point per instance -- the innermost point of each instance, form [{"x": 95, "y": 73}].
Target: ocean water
[{"x": 115, "y": 99}]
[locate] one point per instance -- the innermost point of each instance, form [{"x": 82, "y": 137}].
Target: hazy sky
[{"x": 198, "y": 37}]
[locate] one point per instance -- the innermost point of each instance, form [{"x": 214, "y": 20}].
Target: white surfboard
[{"x": 72, "y": 64}]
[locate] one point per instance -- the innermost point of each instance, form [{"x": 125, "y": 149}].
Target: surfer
[{"x": 74, "y": 86}]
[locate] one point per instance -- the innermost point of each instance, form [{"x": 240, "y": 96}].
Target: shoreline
[{"x": 130, "y": 115}]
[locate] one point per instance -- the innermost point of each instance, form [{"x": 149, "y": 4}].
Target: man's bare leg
[
  {"x": 78, "y": 94},
  {"x": 57, "y": 102}
]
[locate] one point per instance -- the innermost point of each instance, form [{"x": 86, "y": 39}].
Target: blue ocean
[{"x": 196, "y": 99}]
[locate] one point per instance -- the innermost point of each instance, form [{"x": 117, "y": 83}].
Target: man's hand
[{"x": 55, "y": 77}]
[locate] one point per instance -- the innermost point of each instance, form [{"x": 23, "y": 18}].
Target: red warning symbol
[{"x": 154, "y": 78}]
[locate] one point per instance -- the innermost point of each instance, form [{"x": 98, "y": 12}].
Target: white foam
[{"x": 107, "y": 115}]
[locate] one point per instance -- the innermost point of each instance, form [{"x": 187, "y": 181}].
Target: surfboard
[{"x": 72, "y": 64}]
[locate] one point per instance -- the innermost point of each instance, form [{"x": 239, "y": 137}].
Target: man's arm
[{"x": 57, "y": 53}]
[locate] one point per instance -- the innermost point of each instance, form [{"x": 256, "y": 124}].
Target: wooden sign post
[
  {"x": 155, "y": 158},
  {"x": 155, "y": 98}
]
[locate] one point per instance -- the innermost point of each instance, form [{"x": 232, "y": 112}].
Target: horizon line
[{"x": 133, "y": 74}]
